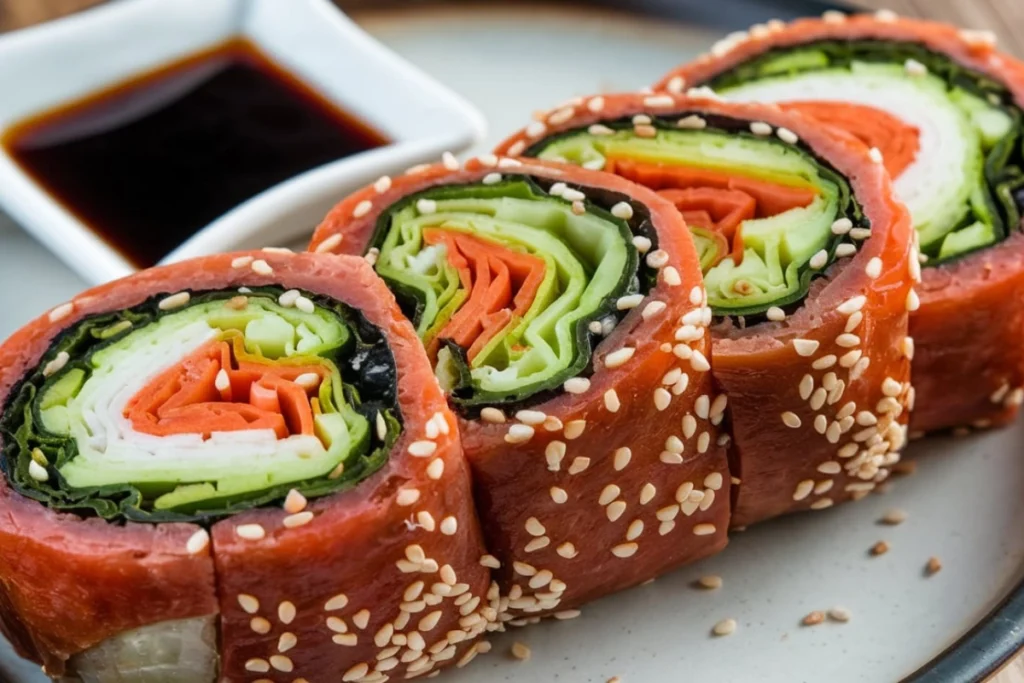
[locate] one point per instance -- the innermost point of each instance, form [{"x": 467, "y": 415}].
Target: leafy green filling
[
  {"x": 589, "y": 262},
  {"x": 981, "y": 201},
  {"x": 776, "y": 267},
  {"x": 54, "y": 421}
]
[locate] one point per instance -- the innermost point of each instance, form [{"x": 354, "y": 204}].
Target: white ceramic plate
[{"x": 964, "y": 505}]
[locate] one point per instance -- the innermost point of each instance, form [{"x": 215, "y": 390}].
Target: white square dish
[{"x": 59, "y": 62}]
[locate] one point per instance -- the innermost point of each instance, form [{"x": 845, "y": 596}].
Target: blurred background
[{"x": 1005, "y": 17}]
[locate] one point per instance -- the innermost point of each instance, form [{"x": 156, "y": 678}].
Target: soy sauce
[{"x": 149, "y": 162}]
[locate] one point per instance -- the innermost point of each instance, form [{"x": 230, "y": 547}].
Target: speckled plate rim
[{"x": 995, "y": 639}]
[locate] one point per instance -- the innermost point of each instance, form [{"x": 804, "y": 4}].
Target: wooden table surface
[{"x": 1005, "y": 17}]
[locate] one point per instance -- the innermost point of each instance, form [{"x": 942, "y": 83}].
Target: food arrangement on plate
[{"x": 493, "y": 391}]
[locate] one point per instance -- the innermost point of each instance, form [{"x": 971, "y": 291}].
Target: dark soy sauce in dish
[{"x": 149, "y": 162}]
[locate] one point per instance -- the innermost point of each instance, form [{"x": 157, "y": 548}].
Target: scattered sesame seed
[
  {"x": 260, "y": 625},
  {"x": 692, "y": 122},
  {"x": 362, "y": 208},
  {"x": 658, "y": 258},
  {"x": 671, "y": 276},
  {"x": 435, "y": 470},
  {"x": 710, "y": 582},
  {"x": 520, "y": 651},
  {"x": 61, "y": 312},
  {"x": 250, "y": 532},
  {"x": 876, "y": 155},
  {"x": 813, "y": 619},
  {"x": 248, "y": 603},
  {"x": 37, "y": 471},
  {"x": 257, "y": 665},
  {"x": 174, "y": 301},
  {"x": 426, "y": 206},
  {"x": 879, "y": 548},
  {"x": 803, "y": 489},
  {"x": 933, "y": 566},
  {"x": 361, "y": 618},
  {"x": 625, "y": 550},
  {"x": 490, "y": 561},
  {"x": 791, "y": 419},
  {"x": 197, "y": 542},
  {"x": 611, "y": 401},
  {"x": 760, "y": 128},
  {"x": 704, "y": 529},
  {"x": 241, "y": 261},
  {"x": 491, "y": 179},
  {"x": 336, "y": 603},
  {"x": 492, "y": 415},
  {"x": 647, "y": 493},
  {"x": 519, "y": 433},
  {"x": 659, "y": 101},
  {"x": 619, "y": 357},
  {"x": 449, "y": 525},
  {"x": 407, "y": 497},
  {"x": 787, "y": 136},
  {"x": 261, "y": 267},
  {"x": 725, "y": 627},
  {"x": 840, "y": 614},
  {"x": 805, "y": 347},
  {"x": 776, "y": 314},
  {"x": 819, "y": 260},
  {"x": 286, "y": 612},
  {"x": 630, "y": 301},
  {"x": 422, "y": 449},
  {"x": 652, "y": 309}
]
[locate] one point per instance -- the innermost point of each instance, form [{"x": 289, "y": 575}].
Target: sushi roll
[
  {"x": 808, "y": 267},
  {"x": 234, "y": 468},
  {"x": 564, "y": 315},
  {"x": 941, "y": 107}
]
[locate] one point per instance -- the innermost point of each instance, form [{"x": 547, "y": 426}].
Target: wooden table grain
[{"x": 1004, "y": 17}]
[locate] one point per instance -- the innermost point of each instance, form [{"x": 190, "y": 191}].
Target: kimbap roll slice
[
  {"x": 941, "y": 109},
  {"x": 808, "y": 263},
  {"x": 234, "y": 468},
  {"x": 564, "y": 315}
]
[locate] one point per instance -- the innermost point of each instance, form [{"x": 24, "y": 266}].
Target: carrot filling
[
  {"x": 898, "y": 141},
  {"x": 226, "y": 402},
  {"x": 715, "y": 204},
  {"x": 502, "y": 285},
  {"x": 765, "y": 214},
  {"x": 949, "y": 136},
  {"x": 221, "y": 388},
  {"x": 506, "y": 281}
]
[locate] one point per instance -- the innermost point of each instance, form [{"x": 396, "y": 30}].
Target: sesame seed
[
  {"x": 426, "y": 520},
  {"x": 819, "y": 260},
  {"x": 662, "y": 398},
  {"x": 844, "y": 250},
  {"x": 659, "y": 101},
  {"x": 261, "y": 267},
  {"x": 977, "y": 38},
  {"x": 624, "y": 550},
  {"x": 933, "y": 566},
  {"x": 848, "y": 340},
  {"x": 449, "y": 525},
  {"x": 573, "y": 195},
  {"x": 824, "y": 362},
  {"x": 893, "y": 517},
  {"x": 356, "y": 672},
  {"x": 791, "y": 419},
  {"x": 760, "y": 128},
  {"x": 595, "y": 104},
  {"x": 671, "y": 276},
  {"x": 492, "y": 179},
  {"x": 248, "y": 603},
  {"x": 534, "y": 527},
  {"x": 704, "y": 529},
  {"x": 37, "y": 471},
  {"x": 699, "y": 362},
  {"x": 297, "y": 520},
  {"x": 554, "y": 452},
  {"x": 286, "y": 612},
  {"x": 787, "y": 136},
  {"x": 435, "y": 469},
  {"x": 407, "y": 497},
  {"x": 840, "y": 614},
  {"x": 519, "y": 433},
  {"x": 805, "y": 347},
  {"x": 536, "y": 129},
  {"x": 361, "y": 618},
  {"x": 725, "y": 627},
  {"x": 422, "y": 449},
  {"x": 630, "y": 301},
  {"x": 490, "y": 561},
  {"x": 860, "y": 233},
  {"x": 619, "y": 357},
  {"x": 874, "y": 268},
  {"x": 492, "y": 415},
  {"x": 260, "y": 625},
  {"x": 197, "y": 542},
  {"x": 520, "y": 651},
  {"x": 622, "y": 458},
  {"x": 61, "y": 312},
  {"x": 608, "y": 494},
  {"x": 174, "y": 301},
  {"x": 615, "y": 510},
  {"x": 879, "y": 548},
  {"x": 531, "y": 417},
  {"x": 710, "y": 581},
  {"x": 647, "y": 493},
  {"x": 645, "y": 131},
  {"x": 241, "y": 261},
  {"x": 776, "y": 314},
  {"x": 813, "y": 619},
  {"x": 257, "y": 665},
  {"x": 692, "y": 122},
  {"x": 250, "y": 532},
  {"x": 622, "y": 210},
  {"x": 891, "y": 387},
  {"x": 675, "y": 85},
  {"x": 657, "y": 259},
  {"x": 426, "y": 206},
  {"x": 611, "y": 401},
  {"x": 876, "y": 155}
]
